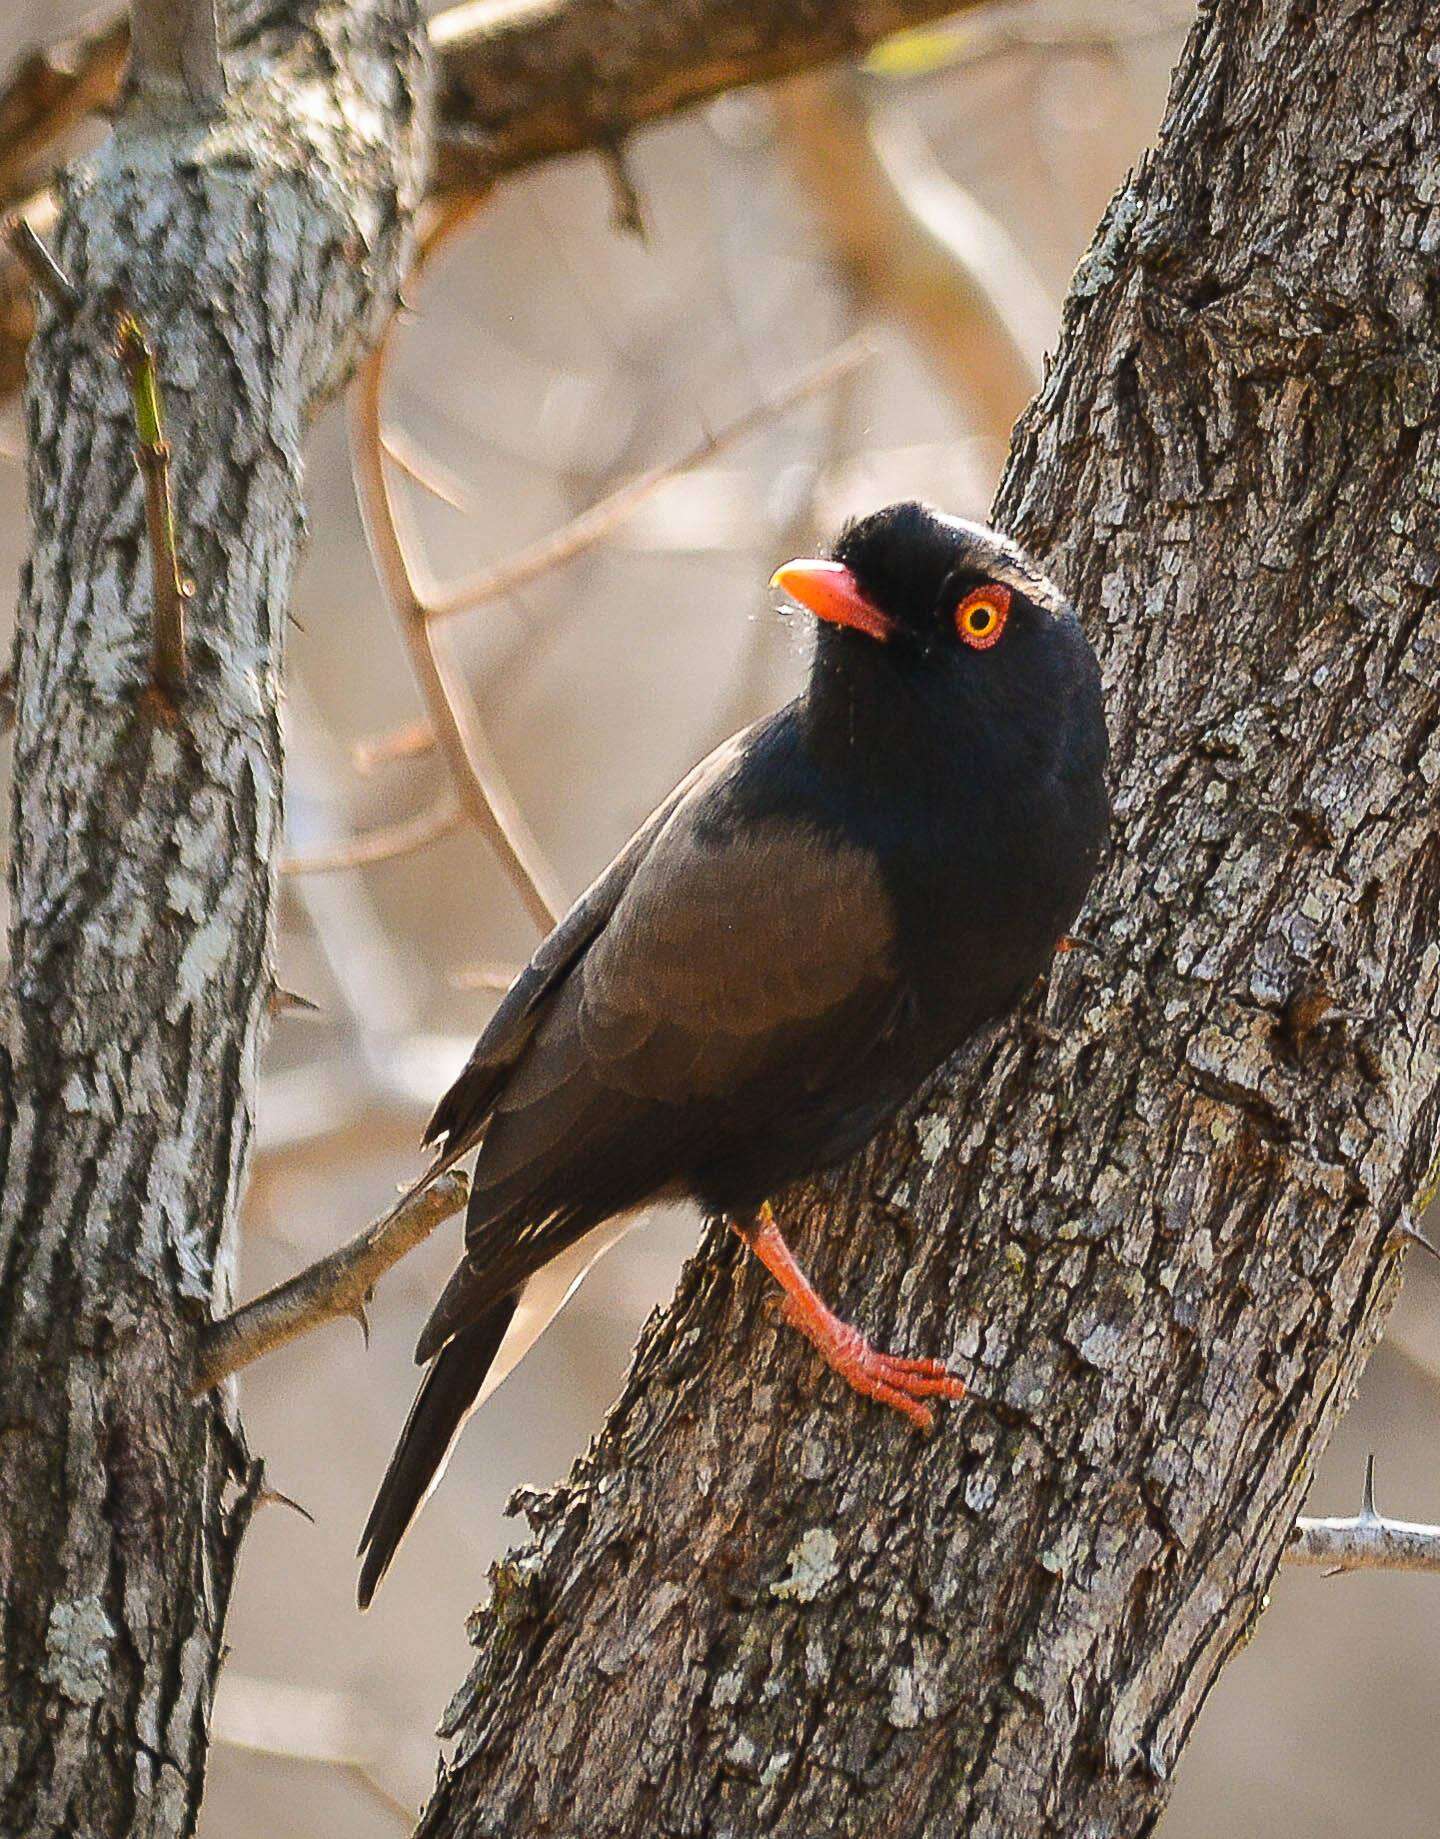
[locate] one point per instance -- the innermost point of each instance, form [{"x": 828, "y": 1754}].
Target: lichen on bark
[{"x": 258, "y": 243}]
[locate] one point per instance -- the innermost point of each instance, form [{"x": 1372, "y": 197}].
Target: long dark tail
[{"x": 446, "y": 1394}]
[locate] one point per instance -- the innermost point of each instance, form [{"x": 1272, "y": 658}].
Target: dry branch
[
  {"x": 1366, "y": 1542},
  {"x": 601, "y": 520},
  {"x": 383, "y": 845},
  {"x": 480, "y": 785},
  {"x": 519, "y": 81},
  {"x": 334, "y": 1286},
  {"x": 524, "y": 80},
  {"x": 175, "y": 52},
  {"x": 583, "y": 532}
]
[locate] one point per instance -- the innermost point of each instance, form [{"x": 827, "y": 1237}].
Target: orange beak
[{"x": 831, "y": 592}]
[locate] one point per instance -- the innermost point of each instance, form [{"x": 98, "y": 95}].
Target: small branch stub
[
  {"x": 169, "y": 660},
  {"x": 175, "y": 53},
  {"x": 335, "y": 1285}
]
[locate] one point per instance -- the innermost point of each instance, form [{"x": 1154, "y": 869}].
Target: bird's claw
[{"x": 891, "y": 1379}]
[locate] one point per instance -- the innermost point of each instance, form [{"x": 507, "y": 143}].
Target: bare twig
[
  {"x": 425, "y": 469},
  {"x": 602, "y": 519},
  {"x": 485, "y": 977},
  {"x": 399, "y": 744},
  {"x": 169, "y": 663},
  {"x": 40, "y": 265},
  {"x": 175, "y": 51},
  {"x": 336, "y": 1285},
  {"x": 484, "y": 794},
  {"x": 384, "y": 844},
  {"x": 1368, "y": 1542},
  {"x": 914, "y": 242}
]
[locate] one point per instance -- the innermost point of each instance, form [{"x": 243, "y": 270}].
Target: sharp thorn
[
  {"x": 359, "y": 1315},
  {"x": 267, "y": 1496},
  {"x": 1407, "y": 1229},
  {"x": 1367, "y": 1493},
  {"x": 284, "y": 1002}
]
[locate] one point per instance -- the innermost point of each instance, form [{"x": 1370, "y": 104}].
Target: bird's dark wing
[
  {"x": 465, "y": 1109},
  {"x": 744, "y": 962}
]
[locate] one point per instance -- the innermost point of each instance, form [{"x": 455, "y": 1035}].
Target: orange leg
[{"x": 894, "y": 1381}]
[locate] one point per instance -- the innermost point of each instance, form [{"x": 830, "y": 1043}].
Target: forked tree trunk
[
  {"x": 1154, "y": 1216},
  {"x": 258, "y": 247}
]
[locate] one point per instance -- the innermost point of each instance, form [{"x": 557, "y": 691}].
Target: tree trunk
[
  {"x": 1154, "y": 1214},
  {"x": 257, "y": 246}
]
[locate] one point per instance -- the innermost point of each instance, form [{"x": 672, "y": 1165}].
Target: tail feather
[{"x": 441, "y": 1406}]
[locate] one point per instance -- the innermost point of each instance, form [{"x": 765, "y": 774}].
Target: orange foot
[{"x": 893, "y": 1380}]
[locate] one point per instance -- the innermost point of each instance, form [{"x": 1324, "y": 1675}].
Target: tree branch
[
  {"x": 1367, "y": 1542},
  {"x": 122, "y": 1517},
  {"x": 339, "y": 1284},
  {"x": 443, "y": 819},
  {"x": 480, "y": 784},
  {"x": 175, "y": 52},
  {"x": 600, "y": 521},
  {"x": 525, "y": 80},
  {"x": 519, "y": 81}
]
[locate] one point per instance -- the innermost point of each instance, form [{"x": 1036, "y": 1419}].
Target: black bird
[{"x": 806, "y": 927}]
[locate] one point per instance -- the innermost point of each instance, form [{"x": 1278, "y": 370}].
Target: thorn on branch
[
  {"x": 169, "y": 660},
  {"x": 358, "y": 1314},
  {"x": 34, "y": 256},
  {"x": 384, "y": 844},
  {"x": 1409, "y": 1231},
  {"x": 629, "y": 207},
  {"x": 1367, "y": 1542},
  {"x": 272, "y": 1497},
  {"x": 288, "y": 1002},
  {"x": 336, "y": 1285}
]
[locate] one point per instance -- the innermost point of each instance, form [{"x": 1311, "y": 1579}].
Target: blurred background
[{"x": 938, "y": 199}]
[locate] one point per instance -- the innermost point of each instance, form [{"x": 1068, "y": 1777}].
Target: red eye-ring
[{"x": 981, "y": 615}]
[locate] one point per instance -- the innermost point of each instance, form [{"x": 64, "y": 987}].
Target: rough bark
[
  {"x": 519, "y": 81},
  {"x": 258, "y": 244},
  {"x": 1153, "y": 1215},
  {"x": 523, "y": 81}
]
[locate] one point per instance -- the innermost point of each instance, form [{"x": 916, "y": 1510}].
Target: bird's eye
[{"x": 981, "y": 615}]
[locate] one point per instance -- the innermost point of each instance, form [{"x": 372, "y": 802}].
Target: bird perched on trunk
[{"x": 806, "y": 927}]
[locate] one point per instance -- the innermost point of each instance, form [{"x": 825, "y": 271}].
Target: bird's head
[{"x": 927, "y": 587}]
